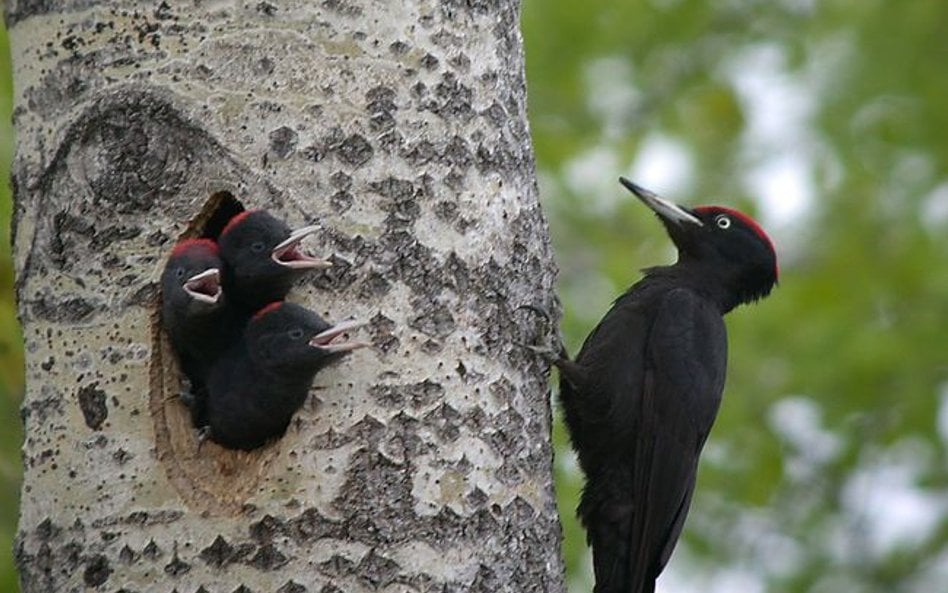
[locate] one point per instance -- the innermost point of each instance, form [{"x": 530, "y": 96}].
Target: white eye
[{"x": 723, "y": 221}]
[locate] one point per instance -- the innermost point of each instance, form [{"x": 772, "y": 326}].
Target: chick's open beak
[
  {"x": 324, "y": 339},
  {"x": 289, "y": 254},
  {"x": 205, "y": 287}
]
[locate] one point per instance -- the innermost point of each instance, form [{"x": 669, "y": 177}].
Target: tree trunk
[{"x": 423, "y": 464}]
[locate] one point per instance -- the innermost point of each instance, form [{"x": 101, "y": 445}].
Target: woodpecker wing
[
  {"x": 639, "y": 400},
  {"x": 244, "y": 404},
  {"x": 685, "y": 365},
  {"x": 600, "y": 393}
]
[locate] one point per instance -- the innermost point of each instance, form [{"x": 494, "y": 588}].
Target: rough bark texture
[{"x": 400, "y": 127}]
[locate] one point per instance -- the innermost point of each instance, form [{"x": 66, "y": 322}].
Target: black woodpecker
[
  {"x": 641, "y": 395},
  {"x": 262, "y": 380},
  {"x": 262, "y": 259},
  {"x": 192, "y": 311}
]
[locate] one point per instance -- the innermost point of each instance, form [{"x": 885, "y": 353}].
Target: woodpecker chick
[
  {"x": 257, "y": 386},
  {"x": 644, "y": 390},
  {"x": 262, "y": 259},
  {"x": 191, "y": 313}
]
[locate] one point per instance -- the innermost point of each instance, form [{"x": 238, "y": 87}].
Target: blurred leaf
[{"x": 11, "y": 344}]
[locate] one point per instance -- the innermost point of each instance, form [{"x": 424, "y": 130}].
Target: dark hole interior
[{"x": 223, "y": 206}]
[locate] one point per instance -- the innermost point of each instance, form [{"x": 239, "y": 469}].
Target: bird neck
[
  {"x": 285, "y": 373},
  {"x": 684, "y": 274},
  {"x": 287, "y": 385},
  {"x": 251, "y": 292}
]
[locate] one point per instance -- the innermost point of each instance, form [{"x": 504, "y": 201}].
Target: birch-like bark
[{"x": 423, "y": 464}]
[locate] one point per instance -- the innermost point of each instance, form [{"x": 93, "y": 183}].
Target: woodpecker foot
[
  {"x": 184, "y": 396},
  {"x": 553, "y": 350},
  {"x": 538, "y": 310},
  {"x": 202, "y": 434},
  {"x": 548, "y": 353},
  {"x": 552, "y": 353},
  {"x": 187, "y": 397}
]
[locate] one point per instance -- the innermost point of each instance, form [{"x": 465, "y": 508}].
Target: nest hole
[
  {"x": 208, "y": 477},
  {"x": 214, "y": 216}
]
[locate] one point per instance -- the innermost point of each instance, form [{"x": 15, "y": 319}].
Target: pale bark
[{"x": 423, "y": 464}]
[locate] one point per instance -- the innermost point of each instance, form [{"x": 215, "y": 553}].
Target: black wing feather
[
  {"x": 686, "y": 359},
  {"x": 639, "y": 401}
]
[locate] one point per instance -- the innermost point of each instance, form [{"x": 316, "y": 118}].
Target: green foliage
[
  {"x": 11, "y": 344},
  {"x": 853, "y": 340}
]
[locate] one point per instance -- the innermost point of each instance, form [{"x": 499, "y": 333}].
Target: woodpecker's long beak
[
  {"x": 324, "y": 339},
  {"x": 205, "y": 287},
  {"x": 664, "y": 208},
  {"x": 289, "y": 254}
]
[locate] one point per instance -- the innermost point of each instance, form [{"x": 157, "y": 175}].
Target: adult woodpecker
[
  {"x": 262, "y": 380},
  {"x": 641, "y": 395},
  {"x": 191, "y": 313},
  {"x": 263, "y": 259}
]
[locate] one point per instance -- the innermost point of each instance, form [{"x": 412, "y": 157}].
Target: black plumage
[
  {"x": 192, "y": 312},
  {"x": 642, "y": 394},
  {"x": 262, "y": 380},
  {"x": 262, "y": 259}
]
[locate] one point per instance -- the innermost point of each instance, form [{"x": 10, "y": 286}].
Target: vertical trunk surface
[{"x": 423, "y": 464}]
